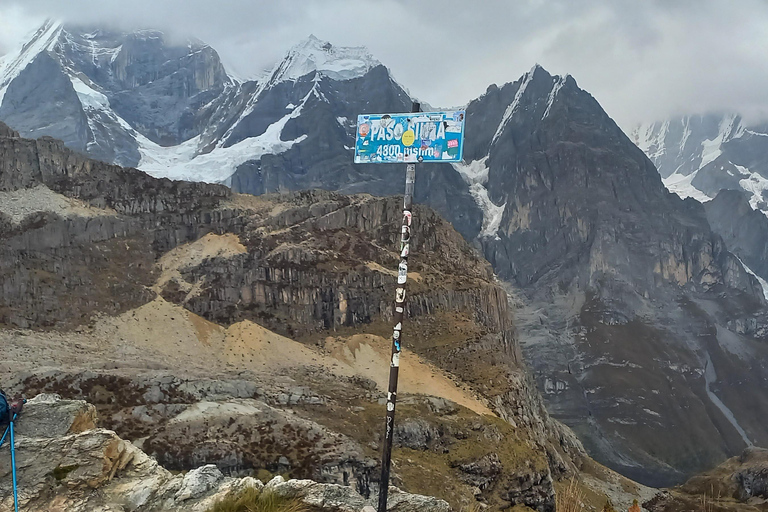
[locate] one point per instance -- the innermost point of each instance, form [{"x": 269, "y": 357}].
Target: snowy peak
[
  {"x": 335, "y": 62},
  {"x": 534, "y": 97},
  {"x": 699, "y": 155}
]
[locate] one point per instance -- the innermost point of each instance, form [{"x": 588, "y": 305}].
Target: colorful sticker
[{"x": 408, "y": 138}]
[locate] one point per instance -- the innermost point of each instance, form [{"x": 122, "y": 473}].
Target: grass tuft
[
  {"x": 251, "y": 499},
  {"x": 571, "y": 499}
]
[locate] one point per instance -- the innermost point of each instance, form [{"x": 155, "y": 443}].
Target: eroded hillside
[{"x": 251, "y": 332}]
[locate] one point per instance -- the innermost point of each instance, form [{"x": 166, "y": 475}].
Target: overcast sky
[{"x": 641, "y": 59}]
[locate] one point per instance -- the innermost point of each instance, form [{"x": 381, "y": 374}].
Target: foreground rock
[{"x": 64, "y": 464}]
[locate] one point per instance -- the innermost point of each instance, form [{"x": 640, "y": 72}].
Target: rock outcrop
[
  {"x": 740, "y": 483},
  {"x": 744, "y": 230},
  {"x": 65, "y": 463}
]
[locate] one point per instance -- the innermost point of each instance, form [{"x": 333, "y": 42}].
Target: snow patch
[
  {"x": 681, "y": 185},
  {"x": 509, "y": 112},
  {"x": 650, "y": 138},
  {"x": 755, "y": 184},
  {"x": 89, "y": 97},
  {"x": 44, "y": 39},
  {"x": 686, "y": 121},
  {"x": 182, "y": 162},
  {"x": 475, "y": 174},
  {"x": 559, "y": 82},
  {"x": 335, "y": 62},
  {"x": 728, "y": 129}
]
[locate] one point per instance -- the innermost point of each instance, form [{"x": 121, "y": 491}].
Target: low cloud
[{"x": 641, "y": 60}]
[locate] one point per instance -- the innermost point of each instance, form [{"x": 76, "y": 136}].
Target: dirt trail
[{"x": 368, "y": 355}]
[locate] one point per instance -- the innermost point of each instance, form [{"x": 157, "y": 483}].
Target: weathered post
[
  {"x": 408, "y": 138},
  {"x": 399, "y": 313}
]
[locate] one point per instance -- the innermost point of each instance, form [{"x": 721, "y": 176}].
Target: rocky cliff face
[
  {"x": 625, "y": 294},
  {"x": 744, "y": 230},
  {"x": 177, "y": 296}
]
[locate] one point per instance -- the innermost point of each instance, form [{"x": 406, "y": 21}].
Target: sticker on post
[
  {"x": 402, "y": 273},
  {"x": 400, "y": 295}
]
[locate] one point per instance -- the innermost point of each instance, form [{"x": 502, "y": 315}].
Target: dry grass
[
  {"x": 708, "y": 502},
  {"x": 571, "y": 499},
  {"x": 252, "y": 500}
]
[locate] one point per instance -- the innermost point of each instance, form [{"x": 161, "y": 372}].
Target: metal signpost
[{"x": 405, "y": 138}]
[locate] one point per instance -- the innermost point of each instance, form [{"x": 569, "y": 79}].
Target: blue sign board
[{"x": 414, "y": 137}]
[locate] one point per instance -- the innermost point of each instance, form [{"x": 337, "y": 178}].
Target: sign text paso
[{"x": 413, "y": 137}]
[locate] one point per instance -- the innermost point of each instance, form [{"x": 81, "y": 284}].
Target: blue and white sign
[{"x": 414, "y": 137}]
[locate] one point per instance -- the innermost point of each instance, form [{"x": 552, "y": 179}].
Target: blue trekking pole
[
  {"x": 14, "y": 410},
  {"x": 5, "y": 434},
  {"x": 13, "y": 468}
]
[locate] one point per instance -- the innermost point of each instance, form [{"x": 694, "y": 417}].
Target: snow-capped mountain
[
  {"x": 312, "y": 54},
  {"x": 117, "y": 96},
  {"x": 697, "y": 156},
  {"x": 132, "y": 99}
]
